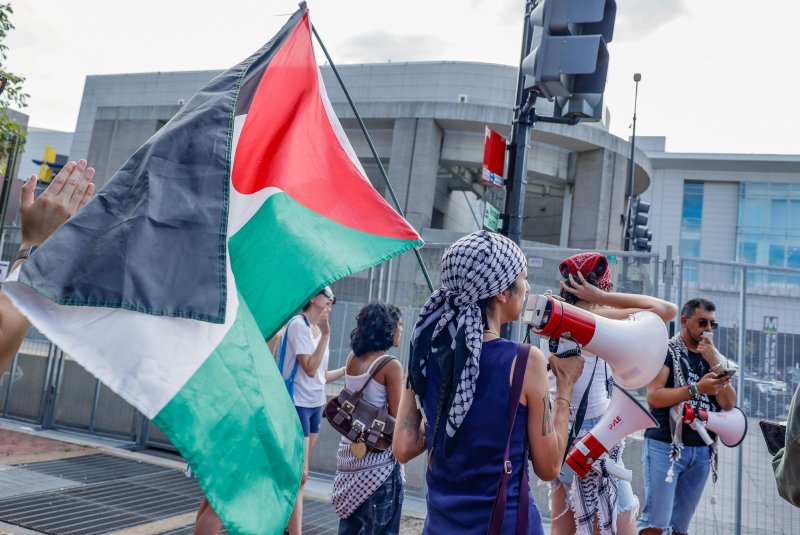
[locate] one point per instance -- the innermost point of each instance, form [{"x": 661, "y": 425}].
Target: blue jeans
[
  {"x": 380, "y": 513},
  {"x": 672, "y": 505}
]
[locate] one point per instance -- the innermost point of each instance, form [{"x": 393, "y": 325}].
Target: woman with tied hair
[
  {"x": 460, "y": 374},
  {"x": 368, "y": 490},
  {"x": 597, "y": 504}
]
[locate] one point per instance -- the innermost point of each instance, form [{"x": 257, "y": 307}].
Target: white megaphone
[
  {"x": 730, "y": 426},
  {"x": 624, "y": 416},
  {"x": 634, "y": 348}
]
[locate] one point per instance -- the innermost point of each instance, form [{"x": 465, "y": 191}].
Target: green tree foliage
[{"x": 12, "y": 95}]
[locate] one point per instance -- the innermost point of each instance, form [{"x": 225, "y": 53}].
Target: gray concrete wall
[{"x": 119, "y": 131}]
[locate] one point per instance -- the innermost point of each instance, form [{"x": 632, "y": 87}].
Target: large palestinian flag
[{"x": 227, "y": 220}]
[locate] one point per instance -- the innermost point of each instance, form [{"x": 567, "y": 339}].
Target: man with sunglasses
[{"x": 676, "y": 459}]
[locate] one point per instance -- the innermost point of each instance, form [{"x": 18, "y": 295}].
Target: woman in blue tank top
[{"x": 460, "y": 375}]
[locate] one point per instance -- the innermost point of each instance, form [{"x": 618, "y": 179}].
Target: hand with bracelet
[
  {"x": 710, "y": 384},
  {"x": 68, "y": 192}
]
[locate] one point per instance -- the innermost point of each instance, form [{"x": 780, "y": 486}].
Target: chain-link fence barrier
[{"x": 759, "y": 329}]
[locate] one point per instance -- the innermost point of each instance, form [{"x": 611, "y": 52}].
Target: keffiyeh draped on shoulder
[{"x": 450, "y": 327}]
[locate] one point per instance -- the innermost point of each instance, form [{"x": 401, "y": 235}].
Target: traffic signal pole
[
  {"x": 519, "y": 143},
  {"x": 629, "y": 224}
]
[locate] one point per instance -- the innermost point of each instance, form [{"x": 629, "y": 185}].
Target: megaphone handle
[
  {"x": 611, "y": 468},
  {"x": 700, "y": 428}
]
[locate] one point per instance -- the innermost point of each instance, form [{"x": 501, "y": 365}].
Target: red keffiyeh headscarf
[{"x": 587, "y": 264}]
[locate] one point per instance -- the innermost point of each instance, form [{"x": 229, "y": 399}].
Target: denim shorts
[
  {"x": 672, "y": 505},
  {"x": 380, "y": 513},
  {"x": 626, "y": 499},
  {"x": 310, "y": 418}
]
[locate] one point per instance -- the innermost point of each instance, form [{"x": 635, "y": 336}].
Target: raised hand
[
  {"x": 69, "y": 191},
  {"x": 581, "y": 289}
]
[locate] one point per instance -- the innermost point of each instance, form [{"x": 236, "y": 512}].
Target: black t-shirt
[{"x": 697, "y": 368}]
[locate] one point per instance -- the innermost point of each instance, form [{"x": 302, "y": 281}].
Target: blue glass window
[
  {"x": 691, "y": 225},
  {"x": 769, "y": 224}
]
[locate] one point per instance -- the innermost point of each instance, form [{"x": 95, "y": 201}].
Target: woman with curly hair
[{"x": 368, "y": 489}]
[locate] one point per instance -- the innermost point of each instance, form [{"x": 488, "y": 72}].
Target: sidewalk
[{"x": 63, "y": 482}]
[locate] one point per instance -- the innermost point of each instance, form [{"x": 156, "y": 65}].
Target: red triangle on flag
[{"x": 289, "y": 143}]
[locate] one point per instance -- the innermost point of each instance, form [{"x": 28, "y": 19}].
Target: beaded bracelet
[{"x": 693, "y": 391}]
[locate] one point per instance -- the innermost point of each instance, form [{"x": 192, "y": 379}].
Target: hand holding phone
[{"x": 730, "y": 372}]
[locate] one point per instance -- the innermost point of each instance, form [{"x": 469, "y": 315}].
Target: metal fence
[
  {"x": 759, "y": 318},
  {"x": 48, "y": 388}
]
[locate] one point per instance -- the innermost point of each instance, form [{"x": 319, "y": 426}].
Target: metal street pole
[
  {"x": 519, "y": 143},
  {"x": 518, "y": 147},
  {"x": 631, "y": 166},
  {"x": 11, "y": 163}
]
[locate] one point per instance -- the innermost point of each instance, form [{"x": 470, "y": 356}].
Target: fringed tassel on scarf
[
  {"x": 714, "y": 472},
  {"x": 676, "y": 421}
]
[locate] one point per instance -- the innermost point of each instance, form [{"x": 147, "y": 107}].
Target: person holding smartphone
[{"x": 676, "y": 459}]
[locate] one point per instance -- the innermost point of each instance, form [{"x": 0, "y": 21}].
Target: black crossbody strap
[{"x": 581, "y": 414}]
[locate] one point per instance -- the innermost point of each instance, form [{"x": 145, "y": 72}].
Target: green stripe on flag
[
  {"x": 286, "y": 252},
  {"x": 236, "y": 416}
]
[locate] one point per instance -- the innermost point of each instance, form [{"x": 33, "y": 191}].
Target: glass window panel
[
  {"x": 691, "y": 224},
  {"x": 749, "y": 252},
  {"x": 793, "y": 257},
  {"x": 793, "y": 220},
  {"x": 692, "y": 206},
  {"x": 754, "y": 214},
  {"x": 776, "y": 255},
  {"x": 690, "y": 247},
  {"x": 693, "y": 199},
  {"x": 779, "y": 215}
]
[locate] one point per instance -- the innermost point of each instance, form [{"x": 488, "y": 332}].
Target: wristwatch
[{"x": 25, "y": 253}]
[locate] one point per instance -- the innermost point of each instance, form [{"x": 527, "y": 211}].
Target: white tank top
[
  {"x": 374, "y": 392},
  {"x": 598, "y": 397}
]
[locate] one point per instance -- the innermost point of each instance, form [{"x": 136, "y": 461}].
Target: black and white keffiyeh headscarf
[{"x": 450, "y": 327}]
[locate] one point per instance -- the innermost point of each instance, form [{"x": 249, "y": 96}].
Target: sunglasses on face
[
  {"x": 329, "y": 294},
  {"x": 703, "y": 323}
]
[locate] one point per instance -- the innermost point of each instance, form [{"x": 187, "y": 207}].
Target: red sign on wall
[{"x": 494, "y": 158}]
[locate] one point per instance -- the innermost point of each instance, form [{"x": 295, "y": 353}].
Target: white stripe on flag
[
  {"x": 243, "y": 207},
  {"x": 145, "y": 359}
]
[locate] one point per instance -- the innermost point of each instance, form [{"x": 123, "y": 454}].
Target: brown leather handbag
[{"x": 360, "y": 421}]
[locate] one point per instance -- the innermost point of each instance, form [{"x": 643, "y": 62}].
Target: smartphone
[
  {"x": 774, "y": 435},
  {"x": 730, "y": 372}
]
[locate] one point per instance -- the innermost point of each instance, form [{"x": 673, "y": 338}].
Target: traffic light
[
  {"x": 569, "y": 58},
  {"x": 638, "y": 233}
]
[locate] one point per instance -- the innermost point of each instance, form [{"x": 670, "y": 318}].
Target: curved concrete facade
[{"x": 428, "y": 119}]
